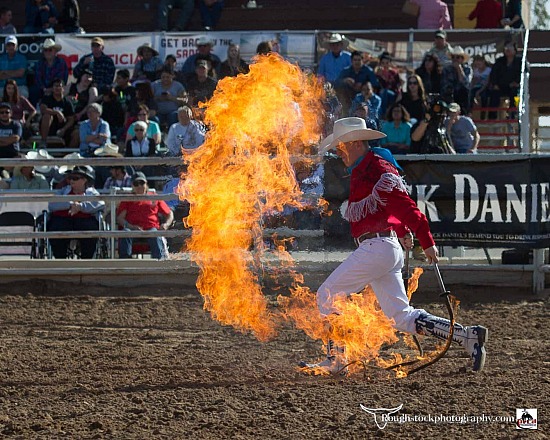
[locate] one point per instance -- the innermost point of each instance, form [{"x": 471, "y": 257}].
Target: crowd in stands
[{"x": 153, "y": 109}]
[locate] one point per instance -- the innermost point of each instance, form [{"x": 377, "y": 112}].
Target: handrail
[
  {"x": 95, "y": 161},
  {"x": 523, "y": 113},
  {"x": 50, "y": 197}
]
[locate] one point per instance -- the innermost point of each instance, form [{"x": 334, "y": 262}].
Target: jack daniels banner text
[{"x": 504, "y": 202}]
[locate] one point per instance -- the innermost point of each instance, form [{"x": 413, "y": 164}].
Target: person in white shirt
[{"x": 187, "y": 133}]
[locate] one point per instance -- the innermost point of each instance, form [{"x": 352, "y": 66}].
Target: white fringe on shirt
[{"x": 369, "y": 205}]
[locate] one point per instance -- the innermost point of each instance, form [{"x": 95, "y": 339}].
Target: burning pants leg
[{"x": 377, "y": 262}]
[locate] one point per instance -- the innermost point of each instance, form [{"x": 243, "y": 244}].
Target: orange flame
[{"x": 241, "y": 173}]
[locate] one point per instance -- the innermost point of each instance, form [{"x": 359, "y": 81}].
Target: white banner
[{"x": 123, "y": 50}]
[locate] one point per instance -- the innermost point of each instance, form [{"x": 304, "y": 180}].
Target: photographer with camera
[{"x": 430, "y": 136}]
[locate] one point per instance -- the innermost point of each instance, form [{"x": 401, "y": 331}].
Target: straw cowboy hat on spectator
[
  {"x": 64, "y": 168},
  {"x": 336, "y": 38},
  {"x": 147, "y": 46},
  {"x": 50, "y": 44},
  {"x": 204, "y": 41},
  {"x": 108, "y": 149},
  {"x": 458, "y": 51},
  {"x": 40, "y": 155},
  {"x": 348, "y": 130},
  {"x": 17, "y": 169}
]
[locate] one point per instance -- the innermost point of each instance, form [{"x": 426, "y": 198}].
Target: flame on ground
[{"x": 242, "y": 172}]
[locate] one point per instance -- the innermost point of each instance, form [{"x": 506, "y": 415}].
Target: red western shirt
[
  {"x": 488, "y": 14},
  {"x": 144, "y": 213},
  {"x": 379, "y": 202}
]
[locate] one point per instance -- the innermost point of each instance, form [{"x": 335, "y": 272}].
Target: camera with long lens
[{"x": 436, "y": 140}]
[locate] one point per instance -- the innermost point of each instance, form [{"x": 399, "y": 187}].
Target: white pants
[{"x": 377, "y": 262}]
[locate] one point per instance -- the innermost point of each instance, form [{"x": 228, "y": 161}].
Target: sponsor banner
[
  {"x": 485, "y": 204},
  {"x": 123, "y": 50}
]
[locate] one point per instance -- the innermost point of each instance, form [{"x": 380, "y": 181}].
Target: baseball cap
[
  {"x": 139, "y": 177},
  {"x": 5, "y": 105},
  {"x": 440, "y": 34},
  {"x": 98, "y": 40},
  {"x": 454, "y": 107},
  {"x": 11, "y": 39}
]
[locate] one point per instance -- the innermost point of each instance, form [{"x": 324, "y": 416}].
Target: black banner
[{"x": 494, "y": 203}]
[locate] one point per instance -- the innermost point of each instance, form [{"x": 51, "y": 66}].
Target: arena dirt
[{"x": 157, "y": 366}]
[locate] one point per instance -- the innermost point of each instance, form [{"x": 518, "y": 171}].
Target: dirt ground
[{"x": 153, "y": 366}]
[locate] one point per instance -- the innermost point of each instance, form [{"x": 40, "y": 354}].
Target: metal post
[
  {"x": 538, "y": 273},
  {"x": 113, "y": 224}
]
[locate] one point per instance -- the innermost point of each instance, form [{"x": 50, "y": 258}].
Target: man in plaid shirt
[{"x": 102, "y": 66}]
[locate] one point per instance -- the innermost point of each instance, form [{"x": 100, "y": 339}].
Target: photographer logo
[{"x": 526, "y": 418}]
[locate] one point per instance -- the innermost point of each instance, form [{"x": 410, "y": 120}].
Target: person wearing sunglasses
[
  {"x": 414, "y": 99},
  {"x": 10, "y": 133},
  {"x": 153, "y": 128},
  {"x": 49, "y": 67},
  {"x": 102, "y": 66},
  {"x": 144, "y": 215},
  {"x": 76, "y": 215}
]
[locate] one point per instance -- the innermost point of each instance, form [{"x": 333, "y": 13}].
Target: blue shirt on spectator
[
  {"x": 19, "y": 61},
  {"x": 45, "y": 73},
  {"x": 396, "y": 135},
  {"x": 86, "y": 149},
  {"x": 330, "y": 66},
  {"x": 365, "y": 74},
  {"x": 103, "y": 69},
  {"x": 36, "y": 18},
  {"x": 374, "y": 104}
]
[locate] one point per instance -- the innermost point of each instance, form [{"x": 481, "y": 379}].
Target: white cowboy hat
[
  {"x": 17, "y": 169},
  {"x": 40, "y": 154},
  {"x": 147, "y": 46},
  {"x": 64, "y": 168},
  {"x": 204, "y": 41},
  {"x": 348, "y": 130},
  {"x": 49, "y": 44},
  {"x": 336, "y": 38},
  {"x": 459, "y": 51},
  {"x": 108, "y": 150}
]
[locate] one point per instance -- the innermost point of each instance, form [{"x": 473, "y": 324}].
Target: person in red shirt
[
  {"x": 488, "y": 14},
  {"x": 379, "y": 211},
  {"x": 144, "y": 215}
]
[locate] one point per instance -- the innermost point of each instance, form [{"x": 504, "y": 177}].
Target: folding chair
[{"x": 18, "y": 221}]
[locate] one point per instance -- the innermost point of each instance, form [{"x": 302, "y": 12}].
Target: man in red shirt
[
  {"x": 144, "y": 215},
  {"x": 488, "y": 14},
  {"x": 380, "y": 211}
]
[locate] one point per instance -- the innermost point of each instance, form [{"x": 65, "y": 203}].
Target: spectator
[
  {"x": 70, "y": 17},
  {"x": 21, "y": 109},
  {"x": 153, "y": 129},
  {"x": 102, "y": 173},
  {"x": 390, "y": 83},
  {"x": 512, "y": 15},
  {"x": 140, "y": 145},
  {"x": 82, "y": 93},
  {"x": 149, "y": 64},
  {"x": 234, "y": 64},
  {"x": 434, "y": 14},
  {"x": 333, "y": 62},
  {"x": 10, "y": 133},
  {"x": 6, "y": 27},
  {"x": 487, "y": 14},
  {"x": 184, "y": 17},
  {"x": 144, "y": 215},
  {"x": 199, "y": 85},
  {"x": 414, "y": 99},
  {"x": 441, "y": 48},
  {"x": 351, "y": 80},
  {"x": 170, "y": 62},
  {"x": 25, "y": 178},
  {"x": 186, "y": 134},
  {"x": 168, "y": 95},
  {"x": 397, "y": 129},
  {"x": 480, "y": 81},
  {"x": 333, "y": 108},
  {"x": 455, "y": 79},
  {"x": 102, "y": 66},
  {"x": 13, "y": 65},
  {"x": 49, "y": 67},
  {"x": 57, "y": 115},
  {"x": 373, "y": 101},
  {"x": 113, "y": 112},
  {"x": 94, "y": 132},
  {"x": 464, "y": 134},
  {"x": 119, "y": 178},
  {"x": 41, "y": 17},
  {"x": 204, "y": 51},
  {"x": 430, "y": 74},
  {"x": 125, "y": 91},
  {"x": 144, "y": 96},
  {"x": 75, "y": 215},
  {"x": 430, "y": 136},
  {"x": 211, "y": 11},
  {"x": 264, "y": 48},
  {"x": 505, "y": 77},
  {"x": 362, "y": 111}
]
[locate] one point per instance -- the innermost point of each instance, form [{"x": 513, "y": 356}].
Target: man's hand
[
  {"x": 407, "y": 241},
  {"x": 432, "y": 254},
  {"x": 75, "y": 208}
]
